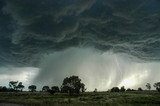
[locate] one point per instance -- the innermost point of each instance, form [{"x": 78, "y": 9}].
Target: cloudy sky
[{"x": 105, "y": 42}]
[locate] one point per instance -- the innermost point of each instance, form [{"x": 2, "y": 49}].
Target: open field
[{"x": 136, "y": 98}]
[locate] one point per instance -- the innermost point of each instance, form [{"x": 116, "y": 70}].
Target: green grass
[{"x": 147, "y": 98}]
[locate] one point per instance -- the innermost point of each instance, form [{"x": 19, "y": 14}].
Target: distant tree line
[
  {"x": 71, "y": 85},
  {"x": 148, "y": 86},
  {"x": 14, "y": 86}
]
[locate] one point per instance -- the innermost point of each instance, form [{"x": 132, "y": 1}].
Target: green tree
[
  {"x": 148, "y": 86},
  {"x": 20, "y": 86},
  {"x": 83, "y": 89},
  {"x": 157, "y": 86},
  {"x": 3, "y": 89},
  {"x": 129, "y": 89},
  {"x": 45, "y": 88},
  {"x": 13, "y": 85},
  {"x": 122, "y": 89},
  {"x": 140, "y": 89},
  {"x": 72, "y": 85},
  {"x": 55, "y": 89},
  {"x": 115, "y": 89},
  {"x": 95, "y": 90},
  {"x": 32, "y": 88}
]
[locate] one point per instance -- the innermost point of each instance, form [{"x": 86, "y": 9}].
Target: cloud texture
[{"x": 31, "y": 30}]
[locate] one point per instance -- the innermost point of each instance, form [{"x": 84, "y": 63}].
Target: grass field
[{"x": 136, "y": 98}]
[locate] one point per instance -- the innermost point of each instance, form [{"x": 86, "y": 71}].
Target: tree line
[
  {"x": 122, "y": 89},
  {"x": 71, "y": 85}
]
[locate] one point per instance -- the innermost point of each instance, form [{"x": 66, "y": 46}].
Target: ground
[{"x": 132, "y": 98}]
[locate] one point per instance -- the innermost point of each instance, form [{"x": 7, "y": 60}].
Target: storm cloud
[{"x": 31, "y": 30}]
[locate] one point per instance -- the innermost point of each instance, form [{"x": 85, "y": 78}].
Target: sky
[{"x": 105, "y": 42}]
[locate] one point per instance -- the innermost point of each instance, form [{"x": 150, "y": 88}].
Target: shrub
[
  {"x": 140, "y": 89},
  {"x": 148, "y": 86},
  {"x": 3, "y": 89},
  {"x": 55, "y": 89},
  {"x": 115, "y": 89},
  {"x": 122, "y": 89},
  {"x": 95, "y": 90},
  {"x": 45, "y": 88},
  {"x": 32, "y": 88},
  {"x": 128, "y": 89},
  {"x": 157, "y": 86}
]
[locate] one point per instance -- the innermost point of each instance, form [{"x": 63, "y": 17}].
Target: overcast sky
[{"x": 105, "y": 42}]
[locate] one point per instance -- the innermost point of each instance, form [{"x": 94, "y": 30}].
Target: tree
[
  {"x": 32, "y": 88},
  {"x": 20, "y": 86},
  {"x": 3, "y": 89},
  {"x": 13, "y": 85},
  {"x": 122, "y": 89},
  {"x": 140, "y": 89},
  {"x": 95, "y": 90},
  {"x": 45, "y": 88},
  {"x": 148, "y": 86},
  {"x": 129, "y": 89},
  {"x": 83, "y": 89},
  {"x": 115, "y": 89},
  {"x": 65, "y": 89},
  {"x": 55, "y": 89},
  {"x": 72, "y": 85},
  {"x": 157, "y": 86}
]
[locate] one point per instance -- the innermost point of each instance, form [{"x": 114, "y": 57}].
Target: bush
[
  {"x": 32, "y": 88},
  {"x": 55, "y": 89},
  {"x": 140, "y": 89},
  {"x": 122, "y": 89},
  {"x": 115, "y": 89},
  {"x": 158, "y": 89},
  {"x": 51, "y": 91},
  {"x": 3, "y": 89},
  {"x": 157, "y": 86},
  {"x": 95, "y": 90},
  {"x": 45, "y": 88},
  {"x": 128, "y": 89}
]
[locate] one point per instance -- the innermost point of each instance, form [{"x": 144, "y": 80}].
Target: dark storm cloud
[
  {"x": 7, "y": 26},
  {"x": 31, "y": 28}
]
